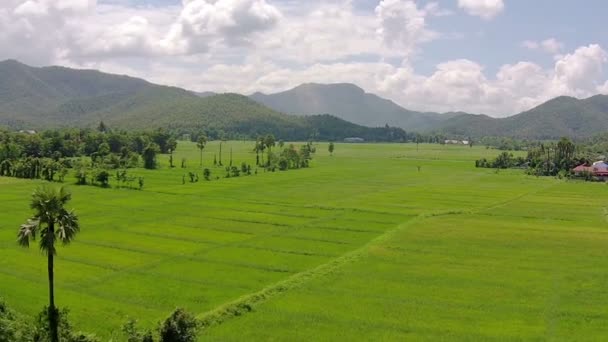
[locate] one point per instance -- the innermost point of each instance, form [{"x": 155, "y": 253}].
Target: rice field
[{"x": 377, "y": 242}]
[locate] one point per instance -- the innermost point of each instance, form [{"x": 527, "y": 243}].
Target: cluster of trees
[
  {"x": 50, "y": 155},
  {"x": 546, "y": 159},
  {"x": 288, "y": 157},
  {"x": 554, "y": 159},
  {"x": 51, "y": 224},
  {"x": 504, "y": 160}
]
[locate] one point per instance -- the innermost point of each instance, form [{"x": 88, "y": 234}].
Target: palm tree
[{"x": 51, "y": 222}]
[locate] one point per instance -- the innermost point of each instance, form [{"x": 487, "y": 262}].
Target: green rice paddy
[{"x": 377, "y": 242}]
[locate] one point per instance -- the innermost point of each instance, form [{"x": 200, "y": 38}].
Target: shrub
[
  {"x": 180, "y": 326},
  {"x": 103, "y": 178}
]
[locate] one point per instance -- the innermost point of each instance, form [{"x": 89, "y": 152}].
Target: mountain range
[
  {"x": 562, "y": 116},
  {"x": 51, "y": 97},
  {"x": 32, "y": 97}
]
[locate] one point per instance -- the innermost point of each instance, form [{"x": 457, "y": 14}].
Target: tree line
[
  {"x": 92, "y": 154},
  {"x": 545, "y": 159}
]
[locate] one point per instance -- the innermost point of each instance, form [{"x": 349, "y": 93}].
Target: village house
[{"x": 598, "y": 169}]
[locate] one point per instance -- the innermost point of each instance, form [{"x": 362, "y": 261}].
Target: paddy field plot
[{"x": 423, "y": 246}]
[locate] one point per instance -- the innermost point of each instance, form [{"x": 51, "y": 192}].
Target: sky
[{"x": 496, "y": 57}]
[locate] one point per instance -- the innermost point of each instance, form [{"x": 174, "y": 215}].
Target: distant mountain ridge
[
  {"x": 56, "y": 96},
  {"x": 348, "y": 102},
  {"x": 562, "y": 116},
  {"x": 52, "y": 97}
]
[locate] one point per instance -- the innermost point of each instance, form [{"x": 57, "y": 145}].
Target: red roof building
[{"x": 598, "y": 169}]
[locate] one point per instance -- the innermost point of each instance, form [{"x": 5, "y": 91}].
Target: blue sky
[{"x": 497, "y": 57}]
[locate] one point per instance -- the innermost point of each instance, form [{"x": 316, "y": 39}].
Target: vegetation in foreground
[{"x": 420, "y": 243}]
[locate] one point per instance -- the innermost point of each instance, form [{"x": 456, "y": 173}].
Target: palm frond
[
  {"x": 64, "y": 195},
  {"x": 67, "y": 226},
  {"x": 27, "y": 231}
]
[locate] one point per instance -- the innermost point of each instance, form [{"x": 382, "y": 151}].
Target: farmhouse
[
  {"x": 354, "y": 140},
  {"x": 598, "y": 169},
  {"x": 455, "y": 142}
]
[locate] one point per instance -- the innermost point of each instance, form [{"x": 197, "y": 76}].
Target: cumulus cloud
[
  {"x": 322, "y": 32},
  {"x": 37, "y": 30},
  {"x": 580, "y": 73},
  {"x": 463, "y": 84},
  {"x": 486, "y": 9},
  {"x": 403, "y": 24},
  {"x": 234, "y": 22},
  {"x": 263, "y": 45}
]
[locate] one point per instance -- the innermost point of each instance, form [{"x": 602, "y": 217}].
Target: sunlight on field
[{"x": 456, "y": 252}]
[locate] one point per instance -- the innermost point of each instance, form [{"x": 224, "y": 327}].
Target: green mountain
[
  {"x": 562, "y": 116},
  {"x": 55, "y": 96},
  {"x": 348, "y": 102},
  {"x": 559, "y": 117},
  {"x": 47, "y": 97}
]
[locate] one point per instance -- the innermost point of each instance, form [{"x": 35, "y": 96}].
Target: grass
[{"x": 360, "y": 246}]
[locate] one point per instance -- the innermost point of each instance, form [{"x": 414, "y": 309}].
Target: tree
[
  {"x": 179, "y": 327},
  {"x": 150, "y": 155},
  {"x": 269, "y": 142},
  {"x": 564, "y": 154},
  {"x": 220, "y": 162},
  {"x": 331, "y": 148},
  {"x": 200, "y": 144},
  {"x": 51, "y": 222},
  {"x": 260, "y": 146},
  {"x": 102, "y": 127}
]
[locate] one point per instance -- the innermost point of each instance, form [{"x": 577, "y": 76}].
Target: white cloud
[
  {"x": 463, "y": 85},
  {"x": 233, "y": 22},
  {"x": 36, "y": 30},
  {"x": 322, "y": 32},
  {"x": 255, "y": 45},
  {"x": 486, "y": 9},
  {"x": 603, "y": 89},
  {"x": 580, "y": 73},
  {"x": 530, "y": 44},
  {"x": 403, "y": 24},
  {"x": 551, "y": 45}
]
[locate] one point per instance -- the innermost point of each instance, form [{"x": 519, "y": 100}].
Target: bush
[
  {"x": 103, "y": 178},
  {"x": 133, "y": 335},
  {"x": 42, "y": 329},
  {"x": 179, "y": 327}
]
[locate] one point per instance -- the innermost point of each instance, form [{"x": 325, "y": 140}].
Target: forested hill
[
  {"x": 562, "y": 116},
  {"x": 49, "y": 97},
  {"x": 351, "y": 103}
]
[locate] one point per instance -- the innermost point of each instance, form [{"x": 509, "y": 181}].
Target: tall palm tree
[{"x": 51, "y": 222}]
